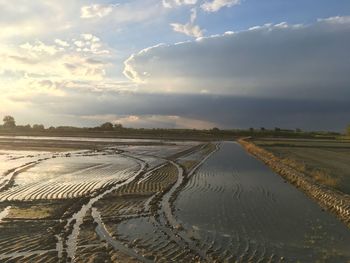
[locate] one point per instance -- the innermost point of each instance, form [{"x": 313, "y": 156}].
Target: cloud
[
  {"x": 52, "y": 68},
  {"x": 189, "y": 29},
  {"x": 174, "y": 3},
  {"x": 336, "y": 20},
  {"x": 135, "y": 109},
  {"x": 268, "y": 61},
  {"x": 216, "y": 5},
  {"x": 39, "y": 47},
  {"x": 96, "y": 11},
  {"x": 152, "y": 121},
  {"x": 61, "y": 43},
  {"x": 89, "y": 43},
  {"x": 20, "y": 19},
  {"x": 116, "y": 15}
]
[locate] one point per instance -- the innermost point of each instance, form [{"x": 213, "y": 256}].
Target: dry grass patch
[
  {"x": 323, "y": 178},
  {"x": 34, "y": 212}
]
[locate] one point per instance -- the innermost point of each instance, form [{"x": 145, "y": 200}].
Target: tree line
[{"x": 9, "y": 125}]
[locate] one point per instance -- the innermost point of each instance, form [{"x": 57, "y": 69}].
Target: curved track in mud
[{"x": 77, "y": 219}]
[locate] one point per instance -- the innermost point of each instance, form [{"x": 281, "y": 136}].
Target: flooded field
[
  {"x": 152, "y": 201},
  {"x": 237, "y": 208}
]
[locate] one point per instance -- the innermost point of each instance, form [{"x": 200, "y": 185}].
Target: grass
[
  {"x": 327, "y": 161},
  {"x": 35, "y": 212},
  {"x": 324, "y": 178}
]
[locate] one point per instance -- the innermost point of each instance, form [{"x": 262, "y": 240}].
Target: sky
[{"x": 176, "y": 63}]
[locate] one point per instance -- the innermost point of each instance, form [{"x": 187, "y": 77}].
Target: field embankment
[
  {"x": 327, "y": 161},
  {"x": 327, "y": 196}
]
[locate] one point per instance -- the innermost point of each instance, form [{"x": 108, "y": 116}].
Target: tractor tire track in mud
[
  {"x": 73, "y": 224},
  {"x": 164, "y": 218}
]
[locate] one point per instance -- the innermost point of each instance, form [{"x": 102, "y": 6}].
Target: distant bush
[
  {"x": 38, "y": 127},
  {"x": 9, "y": 122}
]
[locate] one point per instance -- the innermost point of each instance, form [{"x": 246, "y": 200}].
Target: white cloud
[
  {"x": 269, "y": 61},
  {"x": 89, "y": 43},
  {"x": 96, "y": 11},
  {"x": 174, "y": 3},
  {"x": 20, "y": 19},
  {"x": 336, "y": 20},
  {"x": 39, "y": 47},
  {"x": 42, "y": 67},
  {"x": 117, "y": 15},
  {"x": 216, "y": 5},
  {"x": 61, "y": 43},
  {"x": 189, "y": 29},
  {"x": 90, "y": 37}
]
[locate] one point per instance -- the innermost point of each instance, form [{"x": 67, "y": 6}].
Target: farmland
[
  {"x": 155, "y": 201},
  {"x": 326, "y": 160}
]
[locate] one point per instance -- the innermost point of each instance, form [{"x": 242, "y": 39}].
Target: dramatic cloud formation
[
  {"x": 269, "y": 61},
  {"x": 180, "y": 111},
  {"x": 62, "y": 63},
  {"x": 216, "y": 5}
]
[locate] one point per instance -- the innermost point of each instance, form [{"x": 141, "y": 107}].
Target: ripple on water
[{"x": 236, "y": 207}]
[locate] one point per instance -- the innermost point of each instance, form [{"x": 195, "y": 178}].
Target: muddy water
[
  {"x": 76, "y": 169},
  {"x": 63, "y": 177},
  {"x": 238, "y": 209}
]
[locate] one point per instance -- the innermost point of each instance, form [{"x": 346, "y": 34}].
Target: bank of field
[{"x": 327, "y": 161}]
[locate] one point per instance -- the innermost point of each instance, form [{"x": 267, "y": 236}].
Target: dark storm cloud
[
  {"x": 285, "y": 61},
  {"x": 225, "y": 111}
]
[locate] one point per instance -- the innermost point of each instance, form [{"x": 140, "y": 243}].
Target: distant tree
[
  {"x": 298, "y": 130},
  {"x": 215, "y": 129},
  {"x": 118, "y": 126},
  {"x": 277, "y": 129},
  {"x": 262, "y": 129},
  {"x": 348, "y": 130},
  {"x": 27, "y": 127},
  {"x": 107, "y": 126},
  {"x": 38, "y": 127},
  {"x": 251, "y": 129},
  {"x": 9, "y": 122}
]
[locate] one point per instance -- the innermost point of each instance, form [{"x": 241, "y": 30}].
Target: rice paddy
[{"x": 161, "y": 202}]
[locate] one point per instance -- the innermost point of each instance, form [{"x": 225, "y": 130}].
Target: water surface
[{"x": 237, "y": 208}]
